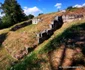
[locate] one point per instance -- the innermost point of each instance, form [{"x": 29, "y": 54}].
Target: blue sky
[{"x": 45, "y": 6}]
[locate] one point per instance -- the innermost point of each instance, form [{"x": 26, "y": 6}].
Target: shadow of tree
[
  {"x": 2, "y": 38},
  {"x": 73, "y": 38},
  {"x": 62, "y": 58}
]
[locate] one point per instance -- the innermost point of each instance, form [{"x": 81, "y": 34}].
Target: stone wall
[
  {"x": 41, "y": 37},
  {"x": 69, "y": 18},
  {"x": 35, "y": 20},
  {"x": 55, "y": 24},
  {"x": 21, "y": 25}
]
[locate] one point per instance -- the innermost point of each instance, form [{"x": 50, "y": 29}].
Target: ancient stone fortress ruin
[
  {"x": 35, "y": 20},
  {"x": 55, "y": 24},
  {"x": 43, "y": 35},
  {"x": 73, "y": 15},
  {"x": 45, "y": 27}
]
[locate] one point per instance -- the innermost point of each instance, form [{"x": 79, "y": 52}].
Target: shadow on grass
[
  {"x": 74, "y": 35},
  {"x": 28, "y": 60},
  {"x": 2, "y": 38}
]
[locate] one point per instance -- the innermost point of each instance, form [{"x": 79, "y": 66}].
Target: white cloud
[
  {"x": 1, "y": 15},
  {"x": 83, "y": 4},
  {"x": 34, "y": 10},
  {"x": 79, "y": 6},
  {"x": 58, "y": 5}
]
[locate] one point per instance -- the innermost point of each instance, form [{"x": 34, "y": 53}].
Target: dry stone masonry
[
  {"x": 42, "y": 36},
  {"x": 45, "y": 34},
  {"x": 21, "y": 25},
  {"x": 55, "y": 24},
  {"x": 72, "y": 16},
  {"x": 35, "y": 20}
]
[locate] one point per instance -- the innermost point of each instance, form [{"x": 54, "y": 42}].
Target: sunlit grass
[{"x": 45, "y": 47}]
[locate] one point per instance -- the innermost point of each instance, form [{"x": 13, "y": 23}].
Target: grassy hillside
[
  {"x": 16, "y": 38},
  {"x": 40, "y": 58},
  {"x": 6, "y": 59},
  {"x": 25, "y": 38}
]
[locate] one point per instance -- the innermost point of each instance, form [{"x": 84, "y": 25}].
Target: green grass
[
  {"x": 8, "y": 29},
  {"x": 27, "y": 28},
  {"x": 72, "y": 9},
  {"x": 45, "y": 47},
  {"x": 5, "y": 58}
]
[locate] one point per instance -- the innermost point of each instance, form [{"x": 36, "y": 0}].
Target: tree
[
  {"x": 69, "y": 8},
  {"x": 0, "y": 20},
  {"x": 40, "y": 14},
  {"x": 13, "y": 12},
  {"x": 30, "y": 16}
]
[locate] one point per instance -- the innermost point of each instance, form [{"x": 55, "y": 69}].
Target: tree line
[{"x": 13, "y": 14}]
